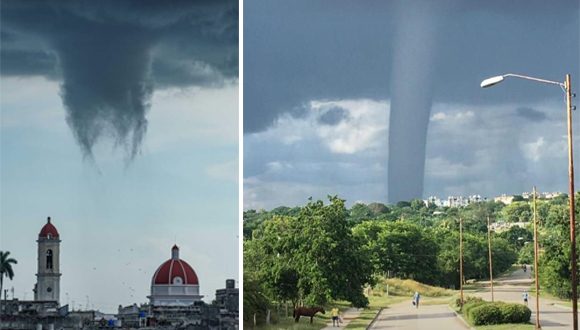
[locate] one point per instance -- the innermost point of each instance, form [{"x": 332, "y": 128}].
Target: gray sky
[
  {"x": 119, "y": 119},
  {"x": 319, "y": 82}
]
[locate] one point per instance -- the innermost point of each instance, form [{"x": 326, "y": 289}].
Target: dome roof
[
  {"x": 175, "y": 268},
  {"x": 48, "y": 230}
]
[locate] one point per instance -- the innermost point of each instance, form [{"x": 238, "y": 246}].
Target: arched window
[
  {"x": 177, "y": 280},
  {"x": 49, "y": 259}
]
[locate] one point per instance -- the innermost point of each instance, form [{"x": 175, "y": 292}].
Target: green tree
[
  {"x": 378, "y": 209},
  {"x": 367, "y": 233},
  {"x": 526, "y": 254},
  {"x": 6, "y": 268},
  {"x": 399, "y": 249},
  {"x": 555, "y": 272},
  {"x": 360, "y": 212},
  {"x": 518, "y": 212},
  {"x": 517, "y": 236},
  {"x": 256, "y": 301},
  {"x": 504, "y": 255},
  {"x": 269, "y": 256},
  {"x": 331, "y": 262},
  {"x": 312, "y": 257},
  {"x": 554, "y": 266},
  {"x": 475, "y": 256}
]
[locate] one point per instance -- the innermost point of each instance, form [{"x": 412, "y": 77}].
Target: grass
[
  {"x": 400, "y": 287},
  {"x": 517, "y": 326}
]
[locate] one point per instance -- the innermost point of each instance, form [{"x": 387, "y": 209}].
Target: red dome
[
  {"x": 175, "y": 267},
  {"x": 47, "y": 230}
]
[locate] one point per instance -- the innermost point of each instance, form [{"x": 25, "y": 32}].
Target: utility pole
[
  {"x": 568, "y": 88},
  {"x": 490, "y": 260},
  {"x": 536, "y": 270},
  {"x": 461, "y": 260}
]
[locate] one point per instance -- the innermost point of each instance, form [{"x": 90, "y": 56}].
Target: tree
[
  {"x": 518, "y": 212},
  {"x": 555, "y": 270},
  {"x": 475, "y": 256},
  {"x": 517, "y": 236},
  {"x": 378, "y": 208},
  {"x": 269, "y": 256},
  {"x": 526, "y": 254},
  {"x": 331, "y": 262},
  {"x": 312, "y": 257},
  {"x": 255, "y": 301},
  {"x": 554, "y": 266},
  {"x": 6, "y": 268},
  {"x": 407, "y": 250},
  {"x": 360, "y": 212}
]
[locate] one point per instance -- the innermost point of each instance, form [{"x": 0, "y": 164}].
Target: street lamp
[
  {"x": 567, "y": 88},
  {"x": 536, "y": 269}
]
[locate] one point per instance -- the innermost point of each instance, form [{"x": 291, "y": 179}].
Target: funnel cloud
[
  {"x": 110, "y": 57},
  {"x": 414, "y": 55}
]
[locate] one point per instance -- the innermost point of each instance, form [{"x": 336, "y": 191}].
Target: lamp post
[
  {"x": 567, "y": 88},
  {"x": 461, "y": 261},
  {"x": 490, "y": 259},
  {"x": 536, "y": 269}
]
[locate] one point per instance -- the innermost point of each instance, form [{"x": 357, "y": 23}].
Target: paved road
[
  {"x": 511, "y": 287},
  {"x": 553, "y": 316},
  {"x": 406, "y": 317}
]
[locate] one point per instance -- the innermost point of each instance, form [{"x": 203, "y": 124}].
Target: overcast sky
[
  {"x": 319, "y": 83},
  {"x": 119, "y": 119}
]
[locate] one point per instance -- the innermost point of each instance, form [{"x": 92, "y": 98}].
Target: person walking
[
  {"x": 334, "y": 313},
  {"x": 525, "y": 296},
  {"x": 416, "y": 298}
]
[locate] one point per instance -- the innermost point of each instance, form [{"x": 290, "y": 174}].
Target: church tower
[{"x": 48, "y": 276}]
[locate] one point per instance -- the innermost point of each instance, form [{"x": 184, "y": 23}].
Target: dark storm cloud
[
  {"x": 531, "y": 114},
  {"x": 333, "y": 116},
  {"x": 15, "y": 62},
  {"x": 109, "y": 55},
  {"x": 345, "y": 51},
  {"x": 410, "y": 52}
]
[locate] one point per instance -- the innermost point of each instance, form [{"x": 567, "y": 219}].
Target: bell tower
[{"x": 48, "y": 276}]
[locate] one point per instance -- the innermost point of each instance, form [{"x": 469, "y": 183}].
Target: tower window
[{"x": 49, "y": 259}]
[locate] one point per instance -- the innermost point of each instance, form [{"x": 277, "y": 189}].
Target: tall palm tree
[{"x": 6, "y": 268}]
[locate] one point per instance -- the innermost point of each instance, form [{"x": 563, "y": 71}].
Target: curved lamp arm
[{"x": 497, "y": 79}]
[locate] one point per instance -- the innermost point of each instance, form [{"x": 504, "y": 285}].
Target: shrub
[
  {"x": 483, "y": 313},
  {"x": 515, "y": 313},
  {"x": 469, "y": 306},
  {"x": 487, "y": 313}
]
